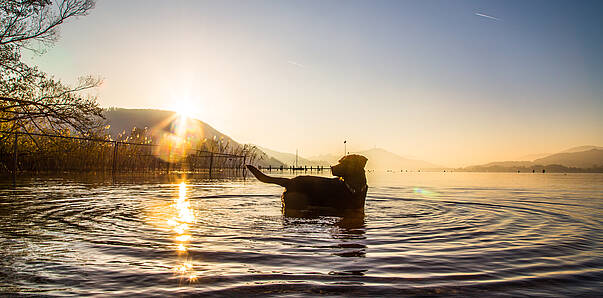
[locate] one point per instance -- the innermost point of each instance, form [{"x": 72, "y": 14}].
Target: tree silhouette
[{"x": 31, "y": 100}]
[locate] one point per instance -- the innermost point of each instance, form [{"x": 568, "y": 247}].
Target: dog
[{"x": 342, "y": 195}]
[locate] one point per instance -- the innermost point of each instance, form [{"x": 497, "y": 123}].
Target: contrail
[
  {"x": 486, "y": 16},
  {"x": 296, "y": 64}
]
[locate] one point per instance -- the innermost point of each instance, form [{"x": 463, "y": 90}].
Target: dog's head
[{"x": 349, "y": 165}]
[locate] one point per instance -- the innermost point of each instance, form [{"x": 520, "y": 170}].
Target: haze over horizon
[{"x": 453, "y": 83}]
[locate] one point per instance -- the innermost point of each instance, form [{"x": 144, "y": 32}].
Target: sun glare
[
  {"x": 185, "y": 108},
  {"x": 179, "y": 134}
]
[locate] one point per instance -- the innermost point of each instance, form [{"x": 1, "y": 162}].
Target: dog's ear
[
  {"x": 360, "y": 161},
  {"x": 364, "y": 160},
  {"x": 355, "y": 160}
]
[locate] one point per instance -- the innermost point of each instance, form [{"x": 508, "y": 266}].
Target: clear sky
[{"x": 451, "y": 82}]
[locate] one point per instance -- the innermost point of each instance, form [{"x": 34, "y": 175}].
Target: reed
[{"x": 66, "y": 151}]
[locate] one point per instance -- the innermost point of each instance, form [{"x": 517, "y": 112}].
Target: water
[{"x": 422, "y": 234}]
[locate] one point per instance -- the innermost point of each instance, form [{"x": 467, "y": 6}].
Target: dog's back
[{"x": 309, "y": 191}]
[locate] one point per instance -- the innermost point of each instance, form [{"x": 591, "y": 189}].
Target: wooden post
[
  {"x": 15, "y": 168},
  {"x": 115, "y": 145},
  {"x": 244, "y": 168},
  {"x": 211, "y": 163}
]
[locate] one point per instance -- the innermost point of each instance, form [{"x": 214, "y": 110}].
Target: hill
[
  {"x": 584, "y": 159},
  {"x": 329, "y": 159},
  {"x": 571, "y": 160},
  {"x": 124, "y": 120},
  {"x": 506, "y": 164},
  {"x": 581, "y": 149}
]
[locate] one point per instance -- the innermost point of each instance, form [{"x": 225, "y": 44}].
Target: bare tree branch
[{"x": 25, "y": 21}]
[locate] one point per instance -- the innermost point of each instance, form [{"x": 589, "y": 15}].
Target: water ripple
[{"x": 186, "y": 237}]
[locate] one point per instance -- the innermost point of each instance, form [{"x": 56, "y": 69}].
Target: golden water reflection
[{"x": 180, "y": 224}]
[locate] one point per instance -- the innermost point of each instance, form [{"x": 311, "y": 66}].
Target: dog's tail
[{"x": 267, "y": 179}]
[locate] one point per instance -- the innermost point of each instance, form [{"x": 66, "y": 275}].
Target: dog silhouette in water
[{"x": 329, "y": 196}]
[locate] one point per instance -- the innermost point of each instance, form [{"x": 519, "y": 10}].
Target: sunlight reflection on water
[{"x": 180, "y": 224}]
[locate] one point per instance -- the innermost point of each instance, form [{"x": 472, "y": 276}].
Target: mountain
[
  {"x": 571, "y": 160},
  {"x": 510, "y": 163},
  {"x": 500, "y": 166},
  {"x": 581, "y": 149},
  {"x": 583, "y": 159},
  {"x": 532, "y": 157},
  {"x": 329, "y": 159},
  {"x": 124, "y": 120},
  {"x": 382, "y": 159},
  {"x": 289, "y": 159}
]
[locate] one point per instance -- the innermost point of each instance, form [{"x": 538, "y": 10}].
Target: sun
[{"x": 185, "y": 108}]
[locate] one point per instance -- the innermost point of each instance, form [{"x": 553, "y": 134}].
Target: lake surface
[{"x": 422, "y": 234}]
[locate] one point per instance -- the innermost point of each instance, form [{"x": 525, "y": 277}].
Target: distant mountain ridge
[
  {"x": 382, "y": 159},
  {"x": 581, "y": 149},
  {"x": 289, "y": 158},
  {"x": 583, "y": 157}
]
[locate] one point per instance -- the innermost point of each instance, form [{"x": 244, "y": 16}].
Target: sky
[{"x": 450, "y": 82}]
